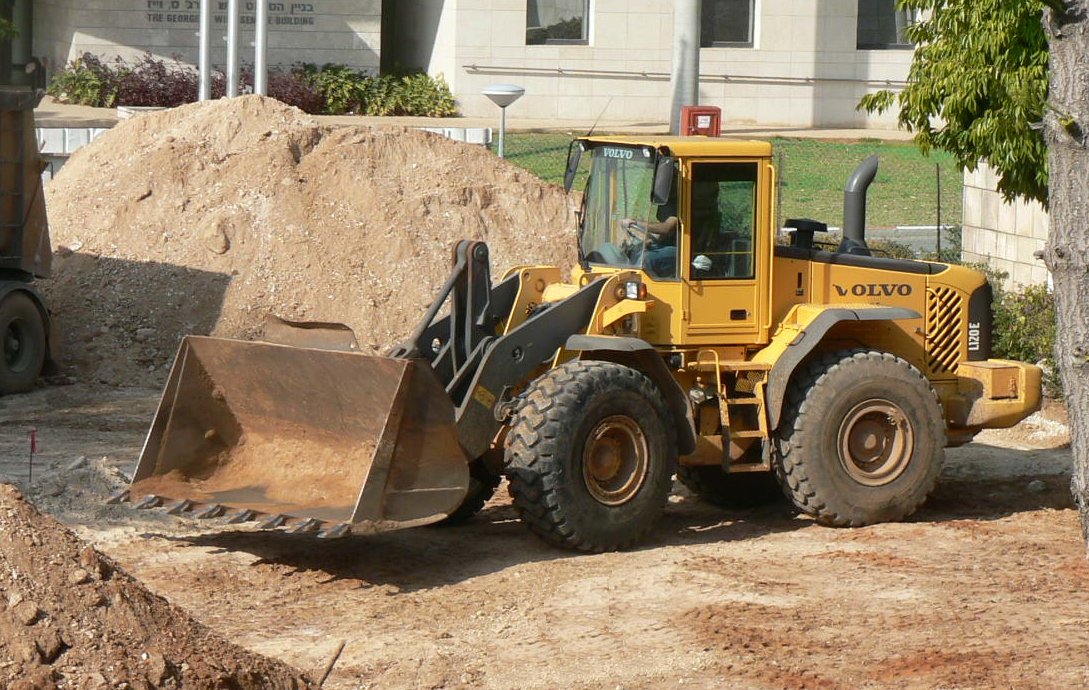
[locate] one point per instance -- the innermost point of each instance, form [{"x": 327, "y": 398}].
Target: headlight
[{"x": 634, "y": 289}]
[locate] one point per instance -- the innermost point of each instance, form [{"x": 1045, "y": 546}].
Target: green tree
[
  {"x": 7, "y": 29},
  {"x": 977, "y": 88},
  {"x": 1006, "y": 81}
]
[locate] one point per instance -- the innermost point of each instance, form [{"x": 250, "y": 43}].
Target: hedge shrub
[{"x": 330, "y": 89}]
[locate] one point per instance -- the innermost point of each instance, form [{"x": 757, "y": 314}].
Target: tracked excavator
[{"x": 692, "y": 339}]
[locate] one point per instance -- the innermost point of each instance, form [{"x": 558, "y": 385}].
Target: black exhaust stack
[{"x": 854, "y": 207}]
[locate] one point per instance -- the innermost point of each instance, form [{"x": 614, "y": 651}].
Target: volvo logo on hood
[{"x": 874, "y": 290}]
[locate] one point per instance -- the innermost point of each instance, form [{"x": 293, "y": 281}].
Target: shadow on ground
[{"x": 494, "y": 540}]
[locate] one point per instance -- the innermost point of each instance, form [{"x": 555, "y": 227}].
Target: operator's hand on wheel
[{"x": 634, "y": 228}]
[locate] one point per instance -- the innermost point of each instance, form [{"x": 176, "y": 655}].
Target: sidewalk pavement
[{"x": 52, "y": 114}]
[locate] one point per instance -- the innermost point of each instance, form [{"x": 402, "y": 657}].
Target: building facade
[
  {"x": 1004, "y": 235},
  {"x": 794, "y": 63},
  {"x": 320, "y": 31},
  {"x": 790, "y": 63}
]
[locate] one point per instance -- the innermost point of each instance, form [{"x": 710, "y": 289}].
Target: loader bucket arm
[
  {"x": 456, "y": 343},
  {"x": 480, "y": 367},
  {"x": 511, "y": 360}
]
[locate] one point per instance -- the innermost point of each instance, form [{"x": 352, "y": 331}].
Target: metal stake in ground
[{"x": 33, "y": 435}]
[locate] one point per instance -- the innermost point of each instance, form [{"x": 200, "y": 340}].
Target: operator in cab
[{"x": 660, "y": 238}]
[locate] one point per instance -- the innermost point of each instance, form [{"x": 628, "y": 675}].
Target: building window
[
  {"x": 881, "y": 25},
  {"x": 726, "y": 23},
  {"x": 557, "y": 21}
]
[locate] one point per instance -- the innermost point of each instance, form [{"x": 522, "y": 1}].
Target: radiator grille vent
[{"x": 944, "y": 326}]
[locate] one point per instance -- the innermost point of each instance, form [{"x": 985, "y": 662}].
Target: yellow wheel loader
[{"x": 689, "y": 340}]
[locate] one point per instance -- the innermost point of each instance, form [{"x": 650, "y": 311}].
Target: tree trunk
[{"x": 1067, "y": 253}]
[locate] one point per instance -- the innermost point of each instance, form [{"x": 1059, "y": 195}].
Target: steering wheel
[{"x": 636, "y": 230}]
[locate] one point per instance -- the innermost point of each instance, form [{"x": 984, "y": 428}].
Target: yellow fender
[{"x": 800, "y": 333}]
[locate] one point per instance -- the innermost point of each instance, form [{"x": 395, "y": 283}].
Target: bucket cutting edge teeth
[
  {"x": 307, "y": 525},
  {"x": 183, "y": 506},
  {"x": 243, "y": 515},
  {"x": 336, "y": 531},
  {"x": 273, "y": 521},
  {"x": 213, "y": 511},
  {"x": 121, "y": 496},
  {"x": 149, "y": 501}
]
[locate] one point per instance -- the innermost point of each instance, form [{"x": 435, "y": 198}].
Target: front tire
[
  {"x": 22, "y": 343},
  {"x": 861, "y": 439},
  {"x": 590, "y": 456}
]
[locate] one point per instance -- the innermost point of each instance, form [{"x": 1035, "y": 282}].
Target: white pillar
[
  {"x": 232, "y": 47},
  {"x": 204, "y": 51},
  {"x": 260, "y": 49},
  {"x": 685, "y": 80}
]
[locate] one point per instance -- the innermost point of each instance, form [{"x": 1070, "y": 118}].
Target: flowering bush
[{"x": 330, "y": 89}]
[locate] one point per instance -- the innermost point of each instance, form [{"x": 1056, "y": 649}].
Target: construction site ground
[
  {"x": 210, "y": 217},
  {"x": 985, "y": 587}
]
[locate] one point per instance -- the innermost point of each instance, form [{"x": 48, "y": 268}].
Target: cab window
[{"x": 723, "y": 220}]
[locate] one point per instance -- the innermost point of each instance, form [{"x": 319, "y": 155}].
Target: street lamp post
[{"x": 503, "y": 95}]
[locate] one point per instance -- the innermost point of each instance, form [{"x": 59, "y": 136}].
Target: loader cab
[
  {"x": 621, "y": 214},
  {"x": 710, "y": 278}
]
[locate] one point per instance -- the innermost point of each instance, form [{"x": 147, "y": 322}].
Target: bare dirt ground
[{"x": 986, "y": 587}]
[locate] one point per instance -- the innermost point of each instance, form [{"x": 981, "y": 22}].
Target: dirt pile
[
  {"x": 71, "y": 618},
  {"x": 205, "y": 218},
  {"x": 69, "y": 492}
]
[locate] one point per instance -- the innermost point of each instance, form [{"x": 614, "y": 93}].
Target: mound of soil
[
  {"x": 208, "y": 217},
  {"x": 71, "y": 618}
]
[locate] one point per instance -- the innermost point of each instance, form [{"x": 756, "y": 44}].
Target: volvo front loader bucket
[{"x": 319, "y": 440}]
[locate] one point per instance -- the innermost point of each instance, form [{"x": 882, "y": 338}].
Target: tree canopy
[{"x": 978, "y": 87}]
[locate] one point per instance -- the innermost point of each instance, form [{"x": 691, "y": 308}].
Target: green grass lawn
[
  {"x": 813, "y": 174},
  {"x": 904, "y": 193}
]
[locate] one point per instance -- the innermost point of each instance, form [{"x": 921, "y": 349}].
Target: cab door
[{"x": 725, "y": 260}]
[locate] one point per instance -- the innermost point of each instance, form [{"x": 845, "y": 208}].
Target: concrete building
[
  {"x": 320, "y": 31},
  {"x": 1002, "y": 234},
  {"x": 796, "y": 63},
  {"x": 800, "y": 63}
]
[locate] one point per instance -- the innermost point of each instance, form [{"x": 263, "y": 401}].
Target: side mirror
[
  {"x": 663, "y": 180},
  {"x": 574, "y": 155}
]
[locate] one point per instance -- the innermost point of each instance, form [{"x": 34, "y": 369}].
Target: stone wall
[
  {"x": 318, "y": 31},
  {"x": 1001, "y": 234}
]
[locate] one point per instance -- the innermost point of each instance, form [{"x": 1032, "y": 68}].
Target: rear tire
[
  {"x": 730, "y": 490},
  {"x": 861, "y": 439},
  {"x": 590, "y": 456},
  {"x": 22, "y": 343}
]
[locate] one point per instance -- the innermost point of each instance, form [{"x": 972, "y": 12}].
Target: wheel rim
[
  {"x": 614, "y": 460},
  {"x": 876, "y": 441},
  {"x": 16, "y": 352}
]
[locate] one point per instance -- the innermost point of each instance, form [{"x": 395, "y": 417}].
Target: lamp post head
[{"x": 503, "y": 94}]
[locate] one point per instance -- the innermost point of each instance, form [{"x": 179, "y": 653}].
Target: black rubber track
[
  {"x": 805, "y": 445},
  {"x": 544, "y": 455}
]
